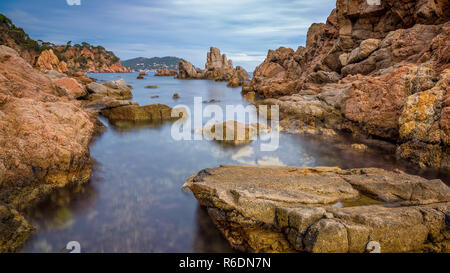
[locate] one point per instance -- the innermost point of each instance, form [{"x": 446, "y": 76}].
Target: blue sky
[{"x": 244, "y": 29}]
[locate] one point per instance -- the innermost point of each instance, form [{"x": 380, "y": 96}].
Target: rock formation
[
  {"x": 376, "y": 70},
  {"x": 166, "y": 73},
  {"x": 116, "y": 89},
  {"x": 233, "y": 132},
  {"x": 48, "y": 61},
  {"x": 135, "y": 113},
  {"x": 324, "y": 210},
  {"x": 217, "y": 67}
]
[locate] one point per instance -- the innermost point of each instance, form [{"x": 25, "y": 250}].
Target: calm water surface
[{"x": 134, "y": 201}]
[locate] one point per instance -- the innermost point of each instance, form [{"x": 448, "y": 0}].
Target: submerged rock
[
  {"x": 294, "y": 209},
  {"x": 136, "y": 113},
  {"x": 107, "y": 103},
  {"x": 116, "y": 89},
  {"x": 233, "y": 132},
  {"x": 166, "y": 73},
  {"x": 14, "y": 230},
  {"x": 141, "y": 75}
]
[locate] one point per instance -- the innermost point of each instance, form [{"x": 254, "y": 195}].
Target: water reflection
[
  {"x": 134, "y": 201},
  {"x": 207, "y": 237}
]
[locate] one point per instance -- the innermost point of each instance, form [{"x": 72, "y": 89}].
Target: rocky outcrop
[
  {"x": 87, "y": 58},
  {"x": 324, "y": 210},
  {"x": 151, "y": 113},
  {"x": 70, "y": 87},
  {"x": 115, "y": 89},
  {"x": 188, "y": 71},
  {"x": 368, "y": 70},
  {"x": 44, "y": 141},
  {"x": 217, "y": 67},
  {"x": 166, "y": 73},
  {"x": 48, "y": 61},
  {"x": 233, "y": 132},
  {"x": 141, "y": 75}
]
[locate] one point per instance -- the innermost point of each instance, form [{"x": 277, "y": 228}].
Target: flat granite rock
[{"x": 324, "y": 209}]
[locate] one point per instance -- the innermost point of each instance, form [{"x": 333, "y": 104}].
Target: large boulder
[
  {"x": 286, "y": 209},
  {"x": 187, "y": 70},
  {"x": 215, "y": 60},
  {"x": 71, "y": 87},
  {"x": 165, "y": 73},
  {"x": 217, "y": 67},
  {"x": 233, "y": 132},
  {"x": 115, "y": 89}
]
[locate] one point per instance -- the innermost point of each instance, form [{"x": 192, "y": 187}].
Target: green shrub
[{"x": 4, "y": 19}]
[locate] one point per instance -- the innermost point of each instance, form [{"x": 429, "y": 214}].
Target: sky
[{"x": 243, "y": 29}]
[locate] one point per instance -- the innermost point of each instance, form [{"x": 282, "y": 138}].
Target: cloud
[
  {"x": 243, "y": 57},
  {"x": 244, "y": 29}
]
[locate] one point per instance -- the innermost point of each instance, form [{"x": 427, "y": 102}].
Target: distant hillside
[
  {"x": 79, "y": 57},
  {"x": 152, "y": 63},
  {"x": 88, "y": 58}
]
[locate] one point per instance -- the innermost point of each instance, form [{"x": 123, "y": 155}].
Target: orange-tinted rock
[
  {"x": 375, "y": 103},
  {"x": 44, "y": 137},
  {"x": 217, "y": 67},
  {"x": 235, "y": 82},
  {"x": 285, "y": 71},
  {"x": 72, "y": 87},
  {"x": 166, "y": 73},
  {"x": 362, "y": 70},
  {"x": 90, "y": 59},
  {"x": 19, "y": 79},
  {"x": 48, "y": 61}
]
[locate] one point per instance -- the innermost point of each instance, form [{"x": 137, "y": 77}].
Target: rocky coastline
[
  {"x": 48, "y": 121},
  {"x": 62, "y": 58},
  {"x": 380, "y": 71}
]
